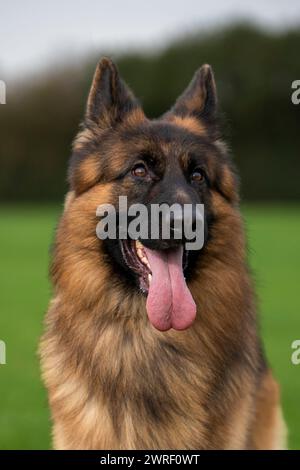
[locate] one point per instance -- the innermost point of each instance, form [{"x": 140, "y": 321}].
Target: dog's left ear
[
  {"x": 109, "y": 99},
  {"x": 199, "y": 100}
]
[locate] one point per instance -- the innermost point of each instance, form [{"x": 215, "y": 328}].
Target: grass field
[{"x": 25, "y": 235}]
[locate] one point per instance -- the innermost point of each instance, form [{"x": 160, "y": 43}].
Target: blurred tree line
[{"x": 254, "y": 72}]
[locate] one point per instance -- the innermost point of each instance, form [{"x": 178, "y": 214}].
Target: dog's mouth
[
  {"x": 136, "y": 259},
  {"x": 161, "y": 277}
]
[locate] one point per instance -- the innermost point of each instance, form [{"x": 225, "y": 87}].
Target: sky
[{"x": 34, "y": 32}]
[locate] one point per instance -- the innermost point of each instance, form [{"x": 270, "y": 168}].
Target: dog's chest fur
[{"x": 132, "y": 387}]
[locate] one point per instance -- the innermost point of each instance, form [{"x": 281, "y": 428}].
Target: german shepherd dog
[{"x": 167, "y": 361}]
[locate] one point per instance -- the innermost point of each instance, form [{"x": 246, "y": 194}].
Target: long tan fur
[{"x": 114, "y": 381}]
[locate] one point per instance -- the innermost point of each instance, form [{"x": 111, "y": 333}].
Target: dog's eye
[
  {"x": 197, "y": 175},
  {"x": 139, "y": 170}
]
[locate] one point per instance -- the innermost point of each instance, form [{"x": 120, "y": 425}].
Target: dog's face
[{"x": 177, "y": 159}]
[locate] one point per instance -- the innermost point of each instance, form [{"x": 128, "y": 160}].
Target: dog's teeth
[
  {"x": 144, "y": 260},
  {"x": 138, "y": 245},
  {"x": 149, "y": 278},
  {"x": 141, "y": 254}
]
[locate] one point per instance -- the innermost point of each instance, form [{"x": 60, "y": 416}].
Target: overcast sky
[{"x": 33, "y": 32}]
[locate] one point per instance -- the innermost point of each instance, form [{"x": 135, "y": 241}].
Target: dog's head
[{"x": 177, "y": 159}]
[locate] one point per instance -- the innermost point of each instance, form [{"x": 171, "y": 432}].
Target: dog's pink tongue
[{"x": 169, "y": 302}]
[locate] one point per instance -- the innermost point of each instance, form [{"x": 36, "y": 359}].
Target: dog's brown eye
[
  {"x": 197, "y": 176},
  {"x": 139, "y": 170}
]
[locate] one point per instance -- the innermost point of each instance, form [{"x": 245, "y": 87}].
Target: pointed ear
[
  {"x": 199, "y": 100},
  {"x": 109, "y": 98}
]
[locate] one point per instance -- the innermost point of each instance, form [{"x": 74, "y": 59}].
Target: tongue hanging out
[{"x": 169, "y": 302}]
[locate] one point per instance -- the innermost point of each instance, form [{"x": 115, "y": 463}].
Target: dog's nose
[
  {"x": 176, "y": 222},
  {"x": 183, "y": 220}
]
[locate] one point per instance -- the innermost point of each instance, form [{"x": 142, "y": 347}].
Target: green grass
[
  {"x": 274, "y": 238},
  {"x": 25, "y": 235}
]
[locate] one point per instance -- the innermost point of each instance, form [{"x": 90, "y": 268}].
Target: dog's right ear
[{"x": 109, "y": 99}]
